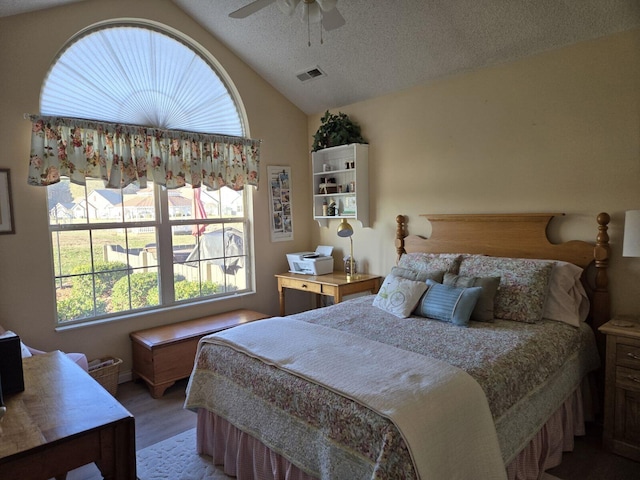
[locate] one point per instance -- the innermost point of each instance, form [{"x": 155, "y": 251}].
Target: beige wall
[
  {"x": 558, "y": 132},
  {"x": 28, "y": 45}
]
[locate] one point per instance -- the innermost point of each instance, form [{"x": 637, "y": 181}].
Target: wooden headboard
[{"x": 518, "y": 236}]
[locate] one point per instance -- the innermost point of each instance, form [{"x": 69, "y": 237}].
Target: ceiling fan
[{"x": 311, "y": 11}]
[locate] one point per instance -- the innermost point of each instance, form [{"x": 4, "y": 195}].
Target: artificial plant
[{"x": 336, "y": 129}]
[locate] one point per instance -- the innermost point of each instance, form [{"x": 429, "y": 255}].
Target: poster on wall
[
  {"x": 280, "y": 203},
  {"x": 6, "y": 208}
]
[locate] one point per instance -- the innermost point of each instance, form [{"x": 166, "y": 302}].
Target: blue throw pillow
[{"x": 447, "y": 303}]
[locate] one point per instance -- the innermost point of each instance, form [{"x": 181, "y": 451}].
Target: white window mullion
[{"x": 165, "y": 246}]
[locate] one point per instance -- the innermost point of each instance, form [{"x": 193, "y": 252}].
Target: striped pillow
[{"x": 448, "y": 303}]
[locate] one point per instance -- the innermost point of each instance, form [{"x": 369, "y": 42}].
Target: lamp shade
[
  {"x": 631, "y": 243},
  {"x": 345, "y": 229}
]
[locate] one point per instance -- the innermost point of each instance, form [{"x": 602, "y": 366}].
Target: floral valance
[{"x": 124, "y": 154}]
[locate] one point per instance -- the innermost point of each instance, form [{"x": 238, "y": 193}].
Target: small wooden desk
[
  {"x": 64, "y": 419},
  {"x": 333, "y": 284}
]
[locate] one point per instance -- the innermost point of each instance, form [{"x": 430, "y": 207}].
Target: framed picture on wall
[
  {"x": 280, "y": 203},
  {"x": 6, "y": 207}
]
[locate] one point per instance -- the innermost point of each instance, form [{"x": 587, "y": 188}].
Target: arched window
[
  {"x": 140, "y": 247},
  {"x": 139, "y": 75}
]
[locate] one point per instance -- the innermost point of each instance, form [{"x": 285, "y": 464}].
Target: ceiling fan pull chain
[{"x": 308, "y": 29}]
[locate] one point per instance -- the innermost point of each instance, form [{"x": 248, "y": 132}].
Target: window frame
[{"x": 163, "y": 223}]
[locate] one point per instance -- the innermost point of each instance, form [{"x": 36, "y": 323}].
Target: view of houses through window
[{"x": 106, "y": 250}]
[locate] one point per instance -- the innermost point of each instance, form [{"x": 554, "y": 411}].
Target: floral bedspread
[{"x": 329, "y": 436}]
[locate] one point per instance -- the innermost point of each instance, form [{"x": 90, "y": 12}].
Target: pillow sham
[
  {"x": 399, "y": 296},
  {"x": 483, "y": 311},
  {"x": 567, "y": 300},
  {"x": 524, "y": 284},
  {"x": 421, "y": 262},
  {"x": 447, "y": 303},
  {"x": 418, "y": 276}
]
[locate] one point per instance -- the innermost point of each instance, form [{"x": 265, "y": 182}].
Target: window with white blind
[{"x": 118, "y": 251}]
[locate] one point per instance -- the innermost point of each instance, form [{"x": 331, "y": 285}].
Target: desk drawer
[{"x": 301, "y": 285}]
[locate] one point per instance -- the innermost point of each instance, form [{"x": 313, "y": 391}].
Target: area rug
[{"x": 176, "y": 459}]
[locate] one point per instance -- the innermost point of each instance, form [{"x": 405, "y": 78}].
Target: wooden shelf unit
[{"x": 348, "y": 165}]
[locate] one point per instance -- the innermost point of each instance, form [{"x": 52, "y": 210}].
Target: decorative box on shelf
[{"x": 327, "y": 188}]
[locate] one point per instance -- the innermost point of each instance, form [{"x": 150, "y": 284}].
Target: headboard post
[
  {"x": 401, "y": 232},
  {"x": 601, "y": 253}
]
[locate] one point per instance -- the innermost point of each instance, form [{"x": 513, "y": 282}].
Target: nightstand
[
  {"x": 622, "y": 386},
  {"x": 334, "y": 284}
]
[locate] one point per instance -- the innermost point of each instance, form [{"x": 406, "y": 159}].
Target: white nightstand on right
[{"x": 622, "y": 386}]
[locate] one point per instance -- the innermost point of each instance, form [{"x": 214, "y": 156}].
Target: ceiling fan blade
[
  {"x": 251, "y": 8},
  {"x": 332, "y": 19}
]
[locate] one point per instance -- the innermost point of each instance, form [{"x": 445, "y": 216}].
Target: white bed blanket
[{"x": 439, "y": 409}]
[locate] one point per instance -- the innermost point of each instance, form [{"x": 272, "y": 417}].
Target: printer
[{"x": 319, "y": 262}]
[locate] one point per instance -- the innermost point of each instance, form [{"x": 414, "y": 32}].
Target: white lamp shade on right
[{"x": 631, "y": 242}]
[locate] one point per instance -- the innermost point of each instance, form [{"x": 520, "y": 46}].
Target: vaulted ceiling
[{"x": 390, "y": 45}]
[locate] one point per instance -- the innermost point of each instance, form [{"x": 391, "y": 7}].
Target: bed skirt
[{"x": 246, "y": 458}]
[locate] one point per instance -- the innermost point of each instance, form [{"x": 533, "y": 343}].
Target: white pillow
[
  {"x": 24, "y": 351},
  {"x": 399, "y": 296},
  {"x": 567, "y": 300}
]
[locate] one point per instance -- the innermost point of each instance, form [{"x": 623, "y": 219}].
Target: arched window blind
[{"x": 157, "y": 81}]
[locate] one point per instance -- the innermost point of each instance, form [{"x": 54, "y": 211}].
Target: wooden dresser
[{"x": 622, "y": 387}]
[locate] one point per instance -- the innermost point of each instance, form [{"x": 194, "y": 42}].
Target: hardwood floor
[
  {"x": 159, "y": 419},
  {"x": 588, "y": 461},
  {"x": 156, "y": 419}
]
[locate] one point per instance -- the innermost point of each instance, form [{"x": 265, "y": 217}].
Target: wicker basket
[{"x": 107, "y": 376}]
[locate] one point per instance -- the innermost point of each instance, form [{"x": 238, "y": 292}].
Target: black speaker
[{"x": 11, "y": 375}]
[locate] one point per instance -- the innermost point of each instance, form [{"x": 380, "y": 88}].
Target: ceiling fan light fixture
[
  {"x": 287, "y": 6},
  {"x": 326, "y": 5},
  {"x": 310, "y": 13}
]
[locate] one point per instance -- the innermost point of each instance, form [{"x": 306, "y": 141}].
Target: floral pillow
[
  {"x": 399, "y": 296},
  {"x": 524, "y": 284},
  {"x": 418, "y": 276},
  {"x": 425, "y": 262}
]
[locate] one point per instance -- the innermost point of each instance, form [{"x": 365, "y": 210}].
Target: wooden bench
[{"x": 162, "y": 355}]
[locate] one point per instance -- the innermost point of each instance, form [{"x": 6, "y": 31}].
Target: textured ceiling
[{"x": 390, "y": 45}]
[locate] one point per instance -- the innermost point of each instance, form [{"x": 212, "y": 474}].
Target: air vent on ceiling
[{"x": 310, "y": 74}]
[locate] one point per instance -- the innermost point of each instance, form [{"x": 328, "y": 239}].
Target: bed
[{"x": 472, "y": 361}]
